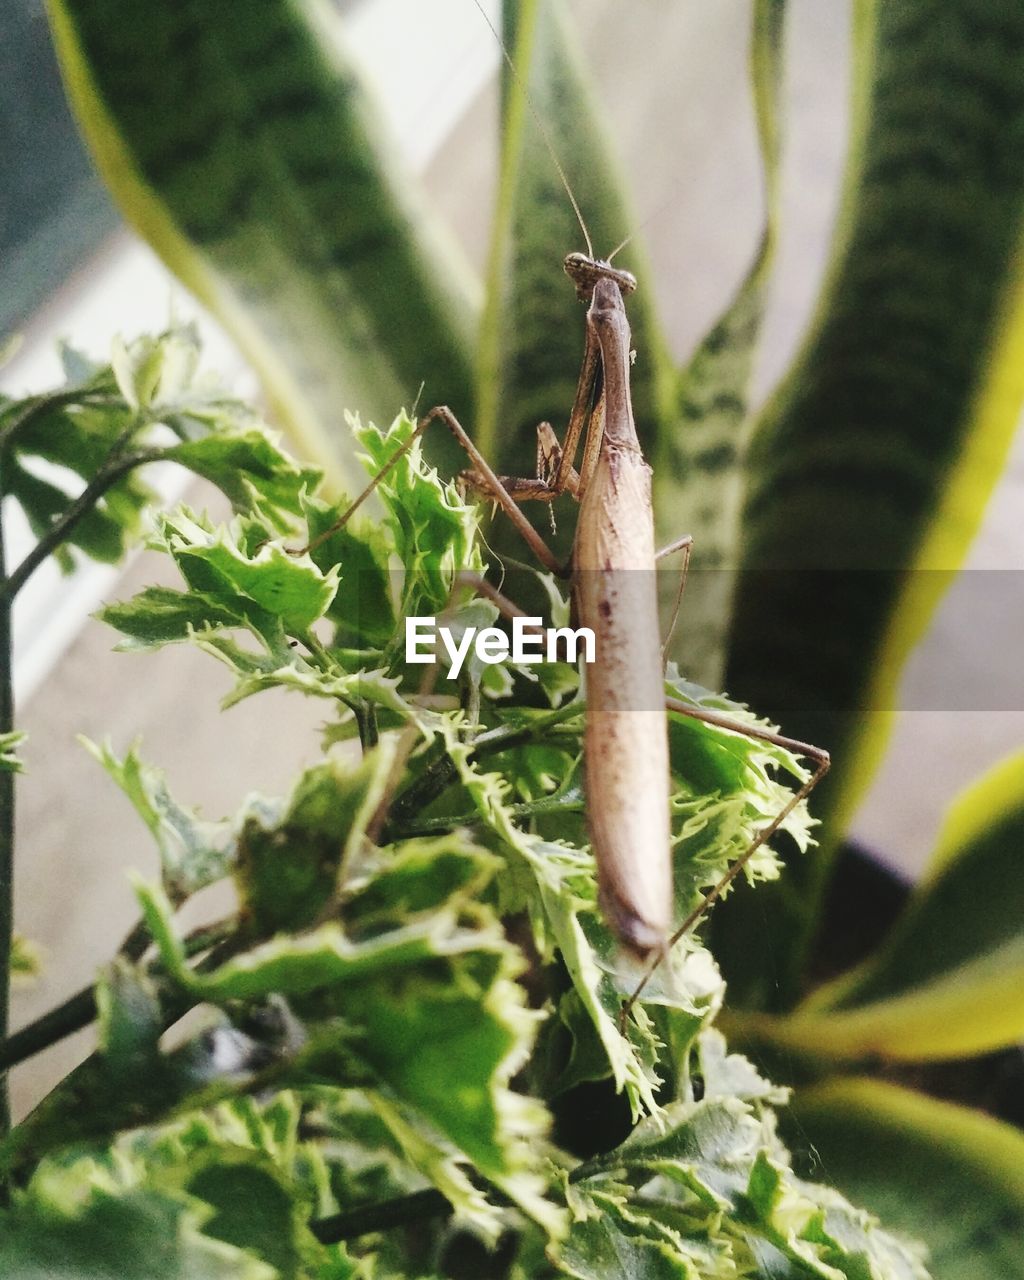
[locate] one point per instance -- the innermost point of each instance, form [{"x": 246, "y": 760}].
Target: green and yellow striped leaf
[
  {"x": 952, "y": 1177},
  {"x": 243, "y": 147},
  {"x": 871, "y": 468},
  {"x": 533, "y": 331},
  {"x": 949, "y": 978},
  {"x": 698, "y": 461}
]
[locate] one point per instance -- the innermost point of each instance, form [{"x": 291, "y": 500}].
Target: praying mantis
[{"x": 612, "y": 577}]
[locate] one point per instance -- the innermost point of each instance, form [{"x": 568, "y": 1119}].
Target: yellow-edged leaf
[{"x": 944, "y": 1173}]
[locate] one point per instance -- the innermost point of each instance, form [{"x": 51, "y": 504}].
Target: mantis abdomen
[{"x": 626, "y": 763}]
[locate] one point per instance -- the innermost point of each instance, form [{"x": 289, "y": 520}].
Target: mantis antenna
[{"x": 541, "y": 129}]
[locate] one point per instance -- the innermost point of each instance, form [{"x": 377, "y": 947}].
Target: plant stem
[
  {"x": 79, "y": 1010},
  {"x": 353, "y": 1223},
  {"x": 61, "y": 529},
  {"x": 570, "y": 802},
  {"x": 76, "y": 1012},
  {"x": 441, "y": 773},
  {"x": 366, "y": 720},
  {"x": 6, "y": 821}
]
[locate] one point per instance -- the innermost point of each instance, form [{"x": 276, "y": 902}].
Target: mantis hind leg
[{"x": 685, "y": 545}]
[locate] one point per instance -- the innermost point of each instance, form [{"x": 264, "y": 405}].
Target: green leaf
[
  {"x": 363, "y": 609},
  {"x": 533, "y": 332},
  {"x": 150, "y": 372},
  {"x": 257, "y": 672},
  {"x": 73, "y": 434},
  {"x": 729, "y": 789},
  {"x": 706, "y": 1188},
  {"x": 85, "y": 1233},
  {"x": 379, "y": 1151},
  {"x": 249, "y": 1161},
  {"x": 25, "y": 961},
  {"x": 238, "y": 561},
  {"x": 951, "y": 1176},
  {"x": 727, "y": 795},
  {"x": 290, "y": 863},
  {"x": 160, "y": 615},
  {"x": 128, "y": 1015},
  {"x": 731, "y": 1075},
  {"x": 265, "y": 191},
  {"x": 601, "y": 1245},
  {"x": 434, "y": 530},
  {"x": 944, "y": 982},
  {"x": 697, "y": 465},
  {"x": 242, "y": 577},
  {"x": 429, "y": 1007},
  {"x": 870, "y": 469},
  {"x": 247, "y": 465},
  {"x": 193, "y": 853},
  {"x": 708, "y": 1147},
  {"x": 439, "y": 1163},
  {"x": 243, "y": 1168},
  {"x": 104, "y": 419},
  {"x": 10, "y": 761},
  {"x": 253, "y": 1209},
  {"x": 557, "y": 884}
]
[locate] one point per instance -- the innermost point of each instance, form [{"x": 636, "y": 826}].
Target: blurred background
[{"x": 671, "y": 77}]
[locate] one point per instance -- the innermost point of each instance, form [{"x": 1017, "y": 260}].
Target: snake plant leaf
[
  {"x": 970, "y": 902},
  {"x": 947, "y": 980},
  {"x": 246, "y": 152},
  {"x": 697, "y": 468},
  {"x": 973, "y": 1008},
  {"x": 952, "y": 1177},
  {"x": 870, "y": 469},
  {"x": 533, "y": 330}
]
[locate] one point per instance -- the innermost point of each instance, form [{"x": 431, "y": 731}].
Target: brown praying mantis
[
  {"x": 612, "y": 577},
  {"x": 613, "y": 585}
]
